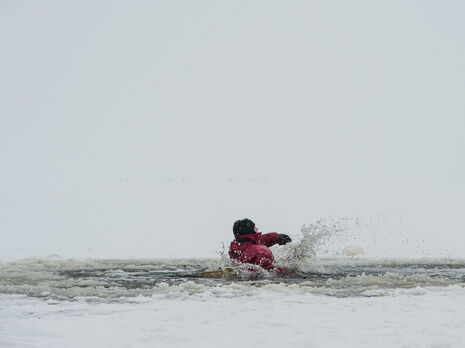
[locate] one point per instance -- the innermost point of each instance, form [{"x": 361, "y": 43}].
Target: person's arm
[
  {"x": 234, "y": 251},
  {"x": 269, "y": 239},
  {"x": 273, "y": 238},
  {"x": 233, "y": 254}
]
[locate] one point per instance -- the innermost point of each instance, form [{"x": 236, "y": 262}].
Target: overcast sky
[{"x": 124, "y": 120}]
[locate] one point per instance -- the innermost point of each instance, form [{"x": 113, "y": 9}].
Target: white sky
[{"x": 102, "y": 103}]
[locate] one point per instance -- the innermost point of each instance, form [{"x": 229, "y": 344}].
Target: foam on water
[
  {"x": 119, "y": 280},
  {"x": 56, "y": 279}
]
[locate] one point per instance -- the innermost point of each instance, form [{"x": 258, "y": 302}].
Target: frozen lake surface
[{"x": 331, "y": 302}]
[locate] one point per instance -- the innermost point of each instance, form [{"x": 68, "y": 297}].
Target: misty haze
[{"x": 134, "y": 135}]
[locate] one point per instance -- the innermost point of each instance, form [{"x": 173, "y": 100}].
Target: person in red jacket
[{"x": 250, "y": 246}]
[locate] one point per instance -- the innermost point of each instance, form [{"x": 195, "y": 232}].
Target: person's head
[{"x": 243, "y": 227}]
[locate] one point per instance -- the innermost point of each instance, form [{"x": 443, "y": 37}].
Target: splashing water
[
  {"x": 315, "y": 271},
  {"x": 301, "y": 255}
]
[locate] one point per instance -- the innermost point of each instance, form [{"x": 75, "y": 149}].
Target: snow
[
  {"x": 57, "y": 302},
  {"x": 268, "y": 317}
]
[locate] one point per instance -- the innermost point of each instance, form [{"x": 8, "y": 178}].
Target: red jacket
[{"x": 253, "y": 248}]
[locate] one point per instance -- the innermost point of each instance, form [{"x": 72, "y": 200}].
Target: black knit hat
[{"x": 243, "y": 227}]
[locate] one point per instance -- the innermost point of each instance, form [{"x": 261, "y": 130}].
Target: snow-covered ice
[
  {"x": 268, "y": 318},
  {"x": 342, "y": 302}
]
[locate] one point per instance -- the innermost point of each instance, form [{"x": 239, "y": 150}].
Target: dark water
[{"x": 114, "y": 280}]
